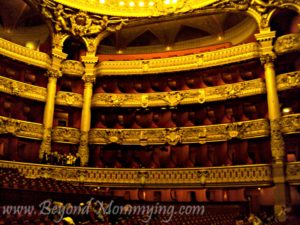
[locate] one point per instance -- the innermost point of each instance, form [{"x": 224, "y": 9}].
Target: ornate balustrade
[
  {"x": 229, "y": 176},
  {"x": 20, "y": 128},
  {"x": 69, "y": 99},
  {"x": 22, "y": 89},
  {"x": 66, "y": 135},
  {"x": 181, "y": 63},
  {"x": 293, "y": 173},
  {"x": 184, "y": 135},
  {"x": 72, "y": 67},
  {"x": 194, "y": 96},
  {"x": 288, "y": 80},
  {"x": 23, "y": 54},
  {"x": 290, "y": 124},
  {"x": 287, "y": 43}
]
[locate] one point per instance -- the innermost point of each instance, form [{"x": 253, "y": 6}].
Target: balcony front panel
[
  {"x": 293, "y": 173},
  {"x": 290, "y": 124}
]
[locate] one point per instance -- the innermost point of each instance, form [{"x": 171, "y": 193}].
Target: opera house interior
[{"x": 170, "y": 104}]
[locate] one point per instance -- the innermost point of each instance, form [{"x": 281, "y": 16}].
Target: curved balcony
[
  {"x": 72, "y": 68},
  {"x": 193, "y": 96},
  {"x": 226, "y": 176},
  {"x": 69, "y": 99},
  {"x": 293, "y": 173},
  {"x": 288, "y": 80},
  {"x": 21, "y": 128},
  {"x": 290, "y": 124},
  {"x": 66, "y": 135},
  {"x": 183, "y": 135},
  {"x": 287, "y": 43},
  {"x": 23, "y": 54},
  {"x": 230, "y": 55}
]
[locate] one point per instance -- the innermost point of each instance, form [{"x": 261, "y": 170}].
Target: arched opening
[{"x": 75, "y": 48}]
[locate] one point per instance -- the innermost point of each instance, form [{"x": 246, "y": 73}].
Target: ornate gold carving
[
  {"x": 46, "y": 142},
  {"x": 181, "y": 63},
  {"x": 20, "y": 128},
  {"x": 184, "y": 135},
  {"x": 89, "y": 78},
  {"x": 21, "y": 89},
  {"x": 193, "y": 96},
  {"x": 230, "y": 176},
  {"x": 54, "y": 73},
  {"x": 23, "y": 54},
  {"x": 287, "y": 43},
  {"x": 288, "y": 80},
  {"x": 84, "y": 148},
  {"x": 69, "y": 98},
  {"x": 290, "y": 124},
  {"x": 66, "y": 135},
  {"x": 79, "y": 23},
  {"x": 72, "y": 67},
  {"x": 277, "y": 143},
  {"x": 293, "y": 173}
]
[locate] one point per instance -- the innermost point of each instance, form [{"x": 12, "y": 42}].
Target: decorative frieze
[
  {"x": 22, "y": 89},
  {"x": 287, "y": 43},
  {"x": 288, "y": 80},
  {"x": 20, "y": 128},
  {"x": 66, "y": 135},
  {"x": 181, "y": 63},
  {"x": 290, "y": 124},
  {"x": 184, "y": 135},
  {"x": 23, "y": 54},
  {"x": 69, "y": 99},
  {"x": 230, "y": 176},
  {"x": 72, "y": 67},
  {"x": 293, "y": 173},
  {"x": 193, "y": 96}
]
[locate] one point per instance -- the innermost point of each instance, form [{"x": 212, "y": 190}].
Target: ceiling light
[
  {"x": 151, "y": 3},
  {"x": 174, "y": 1},
  {"x": 167, "y": 2},
  {"x": 141, "y": 4},
  {"x": 102, "y": 1},
  {"x": 131, "y": 4},
  {"x": 121, "y": 3}
]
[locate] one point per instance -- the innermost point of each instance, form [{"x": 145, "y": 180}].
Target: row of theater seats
[
  {"x": 183, "y": 116},
  {"x": 181, "y": 156},
  {"x": 179, "y": 81}
]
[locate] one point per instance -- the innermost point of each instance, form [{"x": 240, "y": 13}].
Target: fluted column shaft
[
  {"x": 89, "y": 79},
  {"x": 53, "y": 74}
]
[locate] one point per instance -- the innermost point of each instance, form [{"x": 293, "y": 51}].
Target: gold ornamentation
[
  {"x": 293, "y": 173},
  {"x": 288, "y": 80},
  {"x": 66, "y": 135},
  {"x": 21, "y": 89},
  {"x": 72, "y": 67},
  {"x": 23, "y": 54},
  {"x": 89, "y": 78},
  {"x": 229, "y": 176},
  {"x": 287, "y": 43},
  {"x": 193, "y": 96},
  {"x": 69, "y": 98},
  {"x": 79, "y": 23},
  {"x": 161, "y": 8},
  {"x": 83, "y": 148},
  {"x": 46, "y": 143},
  {"x": 189, "y": 62},
  {"x": 53, "y": 73},
  {"x": 277, "y": 143},
  {"x": 184, "y": 135},
  {"x": 290, "y": 124}
]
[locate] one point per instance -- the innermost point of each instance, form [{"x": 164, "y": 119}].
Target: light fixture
[
  {"x": 167, "y": 2},
  {"x": 174, "y": 1},
  {"x": 141, "y": 4},
  {"x": 151, "y": 3},
  {"x": 121, "y": 3},
  {"x": 131, "y": 4},
  {"x": 102, "y": 1},
  {"x": 286, "y": 110}
]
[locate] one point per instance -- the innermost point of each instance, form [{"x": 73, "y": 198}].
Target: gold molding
[
  {"x": 181, "y": 63},
  {"x": 72, "y": 68},
  {"x": 226, "y": 176},
  {"x": 293, "y": 173},
  {"x": 23, "y": 54},
  {"x": 288, "y": 80},
  {"x": 69, "y": 99},
  {"x": 22, "y": 89},
  {"x": 184, "y": 135},
  {"x": 287, "y": 43},
  {"x": 192, "y": 96},
  {"x": 290, "y": 124},
  {"x": 65, "y": 135},
  {"x": 20, "y": 128}
]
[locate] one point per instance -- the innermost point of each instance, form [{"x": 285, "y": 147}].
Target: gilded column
[
  {"x": 53, "y": 74},
  {"x": 89, "y": 78},
  {"x": 282, "y": 198}
]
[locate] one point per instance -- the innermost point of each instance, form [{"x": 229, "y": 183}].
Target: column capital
[
  {"x": 89, "y": 59},
  {"x": 267, "y": 58},
  {"x": 89, "y": 78},
  {"x": 265, "y": 39},
  {"x": 53, "y": 73},
  {"x": 59, "y": 54}
]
